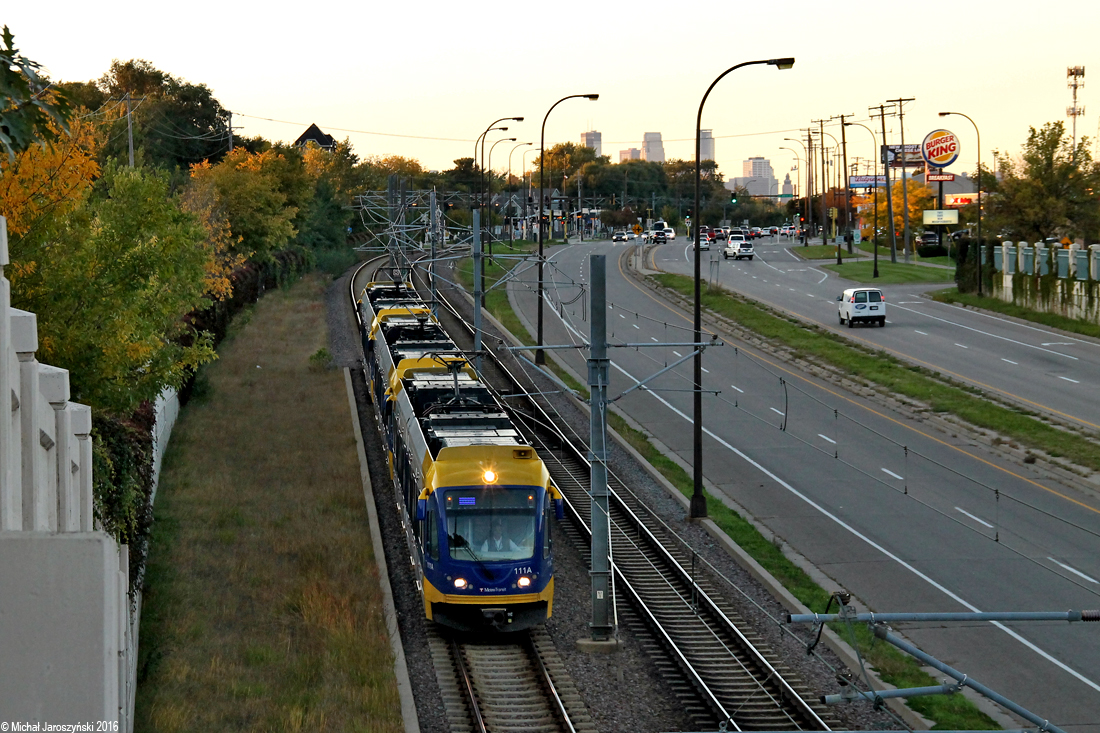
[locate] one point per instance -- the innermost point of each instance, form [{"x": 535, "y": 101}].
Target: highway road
[
  {"x": 905, "y": 517},
  {"x": 1030, "y": 365}
]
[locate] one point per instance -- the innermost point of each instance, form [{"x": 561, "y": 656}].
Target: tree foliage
[
  {"x": 29, "y": 113},
  {"x": 111, "y": 280},
  {"x": 1052, "y": 190}
]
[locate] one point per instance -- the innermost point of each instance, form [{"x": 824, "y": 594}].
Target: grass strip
[
  {"x": 825, "y": 252},
  {"x": 1051, "y": 320},
  {"x": 893, "y": 666},
  {"x": 890, "y": 273},
  {"x": 896, "y": 668},
  {"x": 893, "y": 374},
  {"x": 262, "y": 604}
]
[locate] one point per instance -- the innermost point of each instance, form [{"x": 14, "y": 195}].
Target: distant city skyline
[
  {"x": 437, "y": 122},
  {"x": 653, "y": 148},
  {"x": 592, "y": 139}
]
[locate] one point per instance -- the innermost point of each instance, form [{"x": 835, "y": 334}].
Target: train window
[
  {"x": 490, "y": 524},
  {"x": 546, "y": 541},
  {"x": 431, "y": 530}
]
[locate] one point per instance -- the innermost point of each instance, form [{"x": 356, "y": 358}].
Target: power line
[{"x": 360, "y": 132}]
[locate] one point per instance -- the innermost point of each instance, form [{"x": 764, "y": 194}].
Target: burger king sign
[{"x": 940, "y": 148}]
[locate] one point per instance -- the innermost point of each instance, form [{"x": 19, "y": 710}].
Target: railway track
[{"x": 722, "y": 671}]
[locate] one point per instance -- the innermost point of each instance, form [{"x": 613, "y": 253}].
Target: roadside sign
[
  {"x": 941, "y": 216},
  {"x": 866, "y": 181},
  {"x": 857, "y": 236},
  {"x": 637, "y": 229},
  {"x": 891, "y": 154},
  {"x": 940, "y": 148},
  {"x": 932, "y": 177}
]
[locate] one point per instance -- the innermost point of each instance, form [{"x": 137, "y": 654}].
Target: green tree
[
  {"x": 29, "y": 113},
  {"x": 1053, "y": 190},
  {"x": 111, "y": 282}
]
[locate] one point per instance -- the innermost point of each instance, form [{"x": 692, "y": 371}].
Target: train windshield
[{"x": 491, "y": 523}]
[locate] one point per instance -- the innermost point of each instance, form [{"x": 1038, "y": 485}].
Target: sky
[{"x": 433, "y": 75}]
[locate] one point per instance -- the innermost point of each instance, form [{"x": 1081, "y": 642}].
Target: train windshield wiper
[{"x": 458, "y": 540}]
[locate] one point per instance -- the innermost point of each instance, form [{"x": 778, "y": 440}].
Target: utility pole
[
  {"x": 130, "y": 129},
  {"x": 809, "y": 189},
  {"x": 598, "y": 372},
  {"x": 889, "y": 192},
  {"x": 824, "y": 182},
  {"x": 847, "y": 194},
  {"x": 231, "y": 134},
  {"x": 904, "y": 187}
]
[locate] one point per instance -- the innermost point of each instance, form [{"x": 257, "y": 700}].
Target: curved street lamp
[
  {"x": 698, "y": 498},
  {"x": 540, "y": 355},
  {"x": 511, "y": 226},
  {"x": 809, "y": 194},
  {"x": 874, "y": 223},
  {"x": 979, "y": 134},
  {"x": 488, "y": 188}
]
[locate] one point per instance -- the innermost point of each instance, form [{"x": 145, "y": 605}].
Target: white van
[{"x": 862, "y": 304}]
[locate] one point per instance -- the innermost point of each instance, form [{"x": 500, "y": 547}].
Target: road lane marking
[
  {"x": 1075, "y": 571},
  {"x": 653, "y": 339},
  {"x": 922, "y": 333},
  {"x": 987, "y": 333},
  {"x": 962, "y": 347},
  {"x": 674, "y": 351},
  {"x": 778, "y": 412},
  {"x": 976, "y": 519},
  {"x": 1069, "y": 380},
  {"x": 824, "y": 277},
  {"x": 738, "y": 388},
  {"x": 888, "y": 471},
  {"x": 862, "y": 407},
  {"x": 855, "y": 532},
  {"x": 1059, "y": 343},
  {"x": 1010, "y": 361},
  {"x": 622, "y": 316},
  {"x": 826, "y": 437},
  {"x": 635, "y": 326},
  {"x": 910, "y": 302},
  {"x": 811, "y": 295}
]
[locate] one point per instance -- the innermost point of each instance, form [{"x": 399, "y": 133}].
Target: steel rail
[
  {"x": 790, "y": 695},
  {"x": 467, "y": 684}
]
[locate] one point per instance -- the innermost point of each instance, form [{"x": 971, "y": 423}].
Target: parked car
[
  {"x": 928, "y": 238},
  {"x": 737, "y": 247},
  {"x": 618, "y": 237},
  {"x": 867, "y": 305}
]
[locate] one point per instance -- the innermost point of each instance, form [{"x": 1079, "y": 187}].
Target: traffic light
[{"x": 733, "y": 198}]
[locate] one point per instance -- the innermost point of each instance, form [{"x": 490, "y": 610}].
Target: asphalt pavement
[
  {"x": 1033, "y": 366},
  {"x": 905, "y": 517}
]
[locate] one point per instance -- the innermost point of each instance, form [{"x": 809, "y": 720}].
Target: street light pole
[
  {"x": 540, "y": 355},
  {"x": 874, "y": 222},
  {"x": 806, "y": 192},
  {"x": 487, "y": 205},
  {"x": 523, "y": 161},
  {"x": 698, "y": 498},
  {"x": 979, "y": 134},
  {"x": 511, "y": 224}
]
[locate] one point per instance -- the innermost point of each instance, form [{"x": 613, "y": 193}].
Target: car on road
[
  {"x": 631, "y": 235},
  {"x": 755, "y": 233},
  {"x": 704, "y": 243},
  {"x": 670, "y": 233},
  {"x": 618, "y": 237},
  {"x": 658, "y": 237},
  {"x": 722, "y": 233},
  {"x": 737, "y": 247},
  {"x": 862, "y": 305}
]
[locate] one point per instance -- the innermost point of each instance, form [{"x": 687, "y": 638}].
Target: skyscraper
[
  {"x": 706, "y": 145},
  {"x": 653, "y": 149},
  {"x": 757, "y": 167},
  {"x": 788, "y": 188},
  {"x": 593, "y": 139},
  {"x": 630, "y": 154}
]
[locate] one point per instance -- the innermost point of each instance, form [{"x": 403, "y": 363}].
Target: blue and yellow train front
[{"x": 487, "y": 549}]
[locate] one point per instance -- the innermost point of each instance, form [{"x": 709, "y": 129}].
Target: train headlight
[
  {"x": 523, "y": 581},
  {"x": 460, "y": 583},
  {"x": 490, "y": 476}
]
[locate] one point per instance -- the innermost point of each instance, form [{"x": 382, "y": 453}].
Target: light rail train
[{"x": 476, "y": 499}]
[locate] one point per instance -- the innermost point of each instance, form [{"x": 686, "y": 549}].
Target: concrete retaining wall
[
  {"x": 1049, "y": 280},
  {"x": 67, "y": 636}
]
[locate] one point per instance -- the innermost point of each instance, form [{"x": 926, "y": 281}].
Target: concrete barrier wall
[
  {"x": 66, "y": 630},
  {"x": 1065, "y": 281}
]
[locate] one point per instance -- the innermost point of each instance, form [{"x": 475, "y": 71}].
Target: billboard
[
  {"x": 891, "y": 155},
  {"x": 955, "y": 200},
  {"x": 866, "y": 181}
]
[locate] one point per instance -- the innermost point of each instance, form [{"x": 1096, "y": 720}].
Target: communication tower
[{"x": 1076, "y": 77}]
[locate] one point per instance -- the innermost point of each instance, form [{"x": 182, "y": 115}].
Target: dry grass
[{"x": 262, "y": 606}]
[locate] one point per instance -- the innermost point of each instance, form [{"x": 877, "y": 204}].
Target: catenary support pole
[
  {"x": 598, "y": 372},
  {"x": 477, "y": 288},
  {"x": 431, "y": 262}
]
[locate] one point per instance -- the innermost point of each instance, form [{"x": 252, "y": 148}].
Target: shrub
[{"x": 932, "y": 250}]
